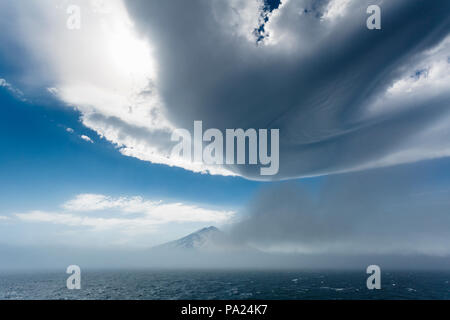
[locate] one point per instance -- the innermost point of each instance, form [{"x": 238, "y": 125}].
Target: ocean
[{"x": 224, "y": 285}]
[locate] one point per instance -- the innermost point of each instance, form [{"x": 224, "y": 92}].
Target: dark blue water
[{"x": 225, "y": 285}]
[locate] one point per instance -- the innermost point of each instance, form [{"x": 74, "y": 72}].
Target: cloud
[
  {"x": 79, "y": 221},
  {"x": 316, "y": 79},
  {"x": 4, "y": 218},
  {"x": 344, "y": 98},
  {"x": 383, "y": 211},
  {"x": 125, "y": 213},
  {"x": 144, "y": 143},
  {"x": 94, "y": 220},
  {"x": 13, "y": 90},
  {"x": 53, "y": 91},
  {"x": 86, "y": 138},
  {"x": 336, "y": 9}
]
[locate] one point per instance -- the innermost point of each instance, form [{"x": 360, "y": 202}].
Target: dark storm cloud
[
  {"x": 315, "y": 84},
  {"x": 380, "y": 211}
]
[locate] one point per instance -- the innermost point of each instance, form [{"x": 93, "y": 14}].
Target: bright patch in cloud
[{"x": 336, "y": 8}]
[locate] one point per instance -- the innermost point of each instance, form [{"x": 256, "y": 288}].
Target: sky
[{"x": 363, "y": 115}]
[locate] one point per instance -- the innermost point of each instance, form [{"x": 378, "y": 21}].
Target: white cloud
[
  {"x": 336, "y": 8},
  {"x": 96, "y": 223},
  {"x": 86, "y": 138},
  {"x": 144, "y": 143},
  {"x": 94, "y": 202},
  {"x": 53, "y": 91},
  {"x": 157, "y": 211},
  {"x": 105, "y": 221},
  {"x": 15, "y": 91},
  {"x": 4, "y": 218},
  {"x": 125, "y": 214}
]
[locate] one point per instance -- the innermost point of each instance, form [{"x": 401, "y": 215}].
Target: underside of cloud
[{"x": 345, "y": 98}]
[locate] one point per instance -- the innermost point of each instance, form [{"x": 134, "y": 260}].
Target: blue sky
[{"x": 88, "y": 114}]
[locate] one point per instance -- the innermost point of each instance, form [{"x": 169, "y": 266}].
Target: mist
[
  {"x": 394, "y": 211},
  {"x": 397, "y": 218}
]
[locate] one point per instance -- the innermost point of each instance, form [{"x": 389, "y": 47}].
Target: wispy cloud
[
  {"x": 335, "y": 9},
  {"x": 97, "y": 223},
  {"x": 86, "y": 138},
  {"x": 15, "y": 91},
  {"x": 125, "y": 213}
]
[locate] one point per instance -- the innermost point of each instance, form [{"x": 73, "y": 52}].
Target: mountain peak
[
  {"x": 208, "y": 229},
  {"x": 202, "y": 238}
]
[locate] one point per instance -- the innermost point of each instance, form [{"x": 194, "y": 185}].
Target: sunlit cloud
[
  {"x": 125, "y": 212},
  {"x": 336, "y": 8}
]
